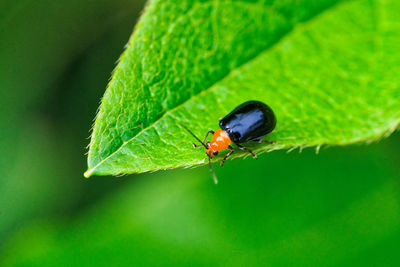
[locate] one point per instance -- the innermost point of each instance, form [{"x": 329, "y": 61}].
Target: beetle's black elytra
[{"x": 249, "y": 122}]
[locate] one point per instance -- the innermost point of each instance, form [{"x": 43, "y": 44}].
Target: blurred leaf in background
[
  {"x": 337, "y": 208},
  {"x": 285, "y": 209},
  {"x": 56, "y": 58}
]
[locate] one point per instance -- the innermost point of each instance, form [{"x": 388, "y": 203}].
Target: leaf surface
[{"x": 327, "y": 68}]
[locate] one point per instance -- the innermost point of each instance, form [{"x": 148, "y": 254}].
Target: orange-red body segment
[{"x": 219, "y": 142}]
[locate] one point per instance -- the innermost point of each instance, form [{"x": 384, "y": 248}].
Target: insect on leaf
[{"x": 329, "y": 69}]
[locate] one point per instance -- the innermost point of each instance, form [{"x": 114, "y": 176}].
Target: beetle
[{"x": 248, "y": 122}]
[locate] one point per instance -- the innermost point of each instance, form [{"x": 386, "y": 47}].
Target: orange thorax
[{"x": 219, "y": 142}]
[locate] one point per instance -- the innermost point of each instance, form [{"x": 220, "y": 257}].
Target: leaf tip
[{"x": 88, "y": 173}]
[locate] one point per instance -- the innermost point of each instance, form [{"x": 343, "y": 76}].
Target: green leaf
[{"x": 329, "y": 69}]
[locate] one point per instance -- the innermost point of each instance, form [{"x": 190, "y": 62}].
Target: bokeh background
[{"x": 339, "y": 207}]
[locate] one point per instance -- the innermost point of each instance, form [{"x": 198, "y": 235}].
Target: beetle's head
[{"x": 212, "y": 149}]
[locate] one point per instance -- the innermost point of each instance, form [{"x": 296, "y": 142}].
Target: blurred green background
[{"x": 339, "y": 207}]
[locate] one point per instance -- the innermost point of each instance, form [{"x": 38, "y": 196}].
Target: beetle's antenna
[
  {"x": 209, "y": 158},
  {"x": 212, "y": 172},
  {"x": 194, "y": 136}
]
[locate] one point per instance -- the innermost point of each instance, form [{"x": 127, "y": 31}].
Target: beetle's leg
[
  {"x": 227, "y": 155},
  {"x": 263, "y": 141},
  {"x": 194, "y": 145},
  {"x": 205, "y": 139},
  {"x": 248, "y": 150}
]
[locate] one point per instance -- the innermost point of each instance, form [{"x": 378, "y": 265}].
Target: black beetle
[{"x": 249, "y": 121}]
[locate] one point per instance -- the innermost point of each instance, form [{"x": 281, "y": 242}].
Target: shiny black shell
[{"x": 248, "y": 121}]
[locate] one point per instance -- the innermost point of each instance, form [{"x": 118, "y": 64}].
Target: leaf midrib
[{"x": 89, "y": 172}]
